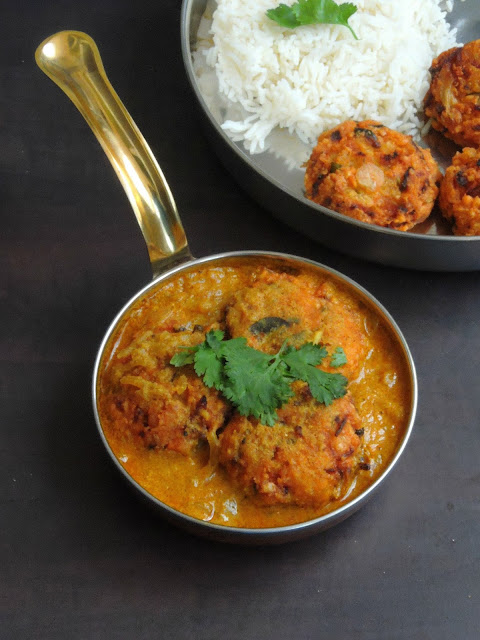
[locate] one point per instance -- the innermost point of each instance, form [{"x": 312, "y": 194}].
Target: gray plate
[{"x": 430, "y": 246}]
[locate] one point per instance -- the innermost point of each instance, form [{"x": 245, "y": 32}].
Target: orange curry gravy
[{"x": 161, "y": 422}]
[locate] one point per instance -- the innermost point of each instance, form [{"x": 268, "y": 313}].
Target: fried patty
[
  {"x": 459, "y": 198},
  {"x": 283, "y": 306},
  {"x": 159, "y": 404},
  {"x": 369, "y": 172},
  {"x": 453, "y": 99},
  {"x": 306, "y": 459}
]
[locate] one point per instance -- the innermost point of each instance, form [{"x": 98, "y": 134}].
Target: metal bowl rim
[{"x": 241, "y": 532}]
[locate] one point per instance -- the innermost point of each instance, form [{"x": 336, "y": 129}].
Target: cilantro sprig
[
  {"x": 259, "y": 383},
  {"x": 338, "y": 358},
  {"x": 313, "y": 12}
]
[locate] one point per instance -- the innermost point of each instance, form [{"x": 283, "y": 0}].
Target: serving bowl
[
  {"x": 72, "y": 61},
  {"x": 280, "y": 189}
]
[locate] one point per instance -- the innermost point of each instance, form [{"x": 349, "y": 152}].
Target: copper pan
[{"x": 71, "y": 59}]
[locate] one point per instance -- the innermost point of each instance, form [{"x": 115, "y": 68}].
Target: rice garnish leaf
[{"x": 313, "y": 12}]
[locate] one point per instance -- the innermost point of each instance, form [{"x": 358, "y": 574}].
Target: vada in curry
[{"x": 190, "y": 413}]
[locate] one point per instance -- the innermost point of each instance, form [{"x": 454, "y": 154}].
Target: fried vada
[
  {"x": 453, "y": 99},
  {"x": 369, "y": 172},
  {"x": 160, "y": 406},
  {"x": 306, "y": 459},
  {"x": 459, "y": 197},
  {"x": 288, "y": 306}
]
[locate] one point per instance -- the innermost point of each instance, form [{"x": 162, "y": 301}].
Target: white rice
[{"x": 277, "y": 89}]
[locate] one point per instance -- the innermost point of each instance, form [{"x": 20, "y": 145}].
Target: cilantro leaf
[
  {"x": 208, "y": 365},
  {"x": 205, "y": 357},
  {"x": 256, "y": 381},
  {"x": 338, "y": 358},
  {"x": 313, "y": 12},
  {"x": 325, "y": 387},
  {"x": 309, "y": 353},
  {"x": 284, "y": 16},
  {"x": 186, "y": 356},
  {"x": 259, "y": 383}
]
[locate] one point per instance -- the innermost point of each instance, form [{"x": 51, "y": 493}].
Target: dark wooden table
[{"x": 80, "y": 557}]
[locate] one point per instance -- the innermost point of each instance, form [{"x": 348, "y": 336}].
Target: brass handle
[{"x": 72, "y": 60}]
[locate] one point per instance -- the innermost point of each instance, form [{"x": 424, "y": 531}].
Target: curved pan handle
[{"x": 71, "y": 59}]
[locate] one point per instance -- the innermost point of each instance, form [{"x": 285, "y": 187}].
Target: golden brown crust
[
  {"x": 459, "y": 198},
  {"x": 369, "y": 172},
  {"x": 305, "y": 459},
  {"x": 299, "y": 310},
  {"x": 160, "y": 405},
  {"x": 453, "y": 99}
]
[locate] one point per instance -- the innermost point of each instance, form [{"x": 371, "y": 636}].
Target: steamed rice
[{"x": 277, "y": 89}]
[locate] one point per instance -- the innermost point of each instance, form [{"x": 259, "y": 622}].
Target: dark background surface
[{"x": 80, "y": 556}]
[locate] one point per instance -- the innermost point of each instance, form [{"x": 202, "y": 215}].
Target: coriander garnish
[
  {"x": 258, "y": 383},
  {"x": 313, "y": 12}
]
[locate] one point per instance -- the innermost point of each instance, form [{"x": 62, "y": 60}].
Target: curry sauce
[{"x": 187, "y": 445}]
